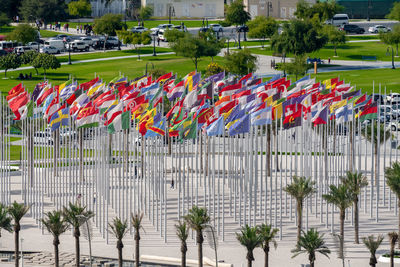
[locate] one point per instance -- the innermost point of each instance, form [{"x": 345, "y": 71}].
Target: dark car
[
  {"x": 242, "y": 28},
  {"x": 99, "y": 44},
  {"x": 351, "y": 28},
  {"x": 204, "y": 29}
]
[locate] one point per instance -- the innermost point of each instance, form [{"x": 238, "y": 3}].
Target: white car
[
  {"x": 113, "y": 41},
  {"x": 139, "y": 29},
  {"x": 34, "y": 45},
  {"x": 87, "y": 40},
  {"x": 216, "y": 27},
  {"x": 48, "y": 49},
  {"x": 393, "y": 97},
  {"x": 161, "y": 35},
  {"x": 379, "y": 28},
  {"x": 19, "y": 50},
  {"x": 77, "y": 45}
]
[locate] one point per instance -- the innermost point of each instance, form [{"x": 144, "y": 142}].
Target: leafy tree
[
  {"x": 9, "y": 8},
  {"x": 108, "y": 25},
  {"x": 74, "y": 215},
  {"x": 17, "y": 211},
  {"x": 298, "y": 37},
  {"x": 173, "y": 35},
  {"x": 249, "y": 238},
  {"x": 4, "y": 20},
  {"x": 241, "y": 62},
  {"x": 341, "y": 197},
  {"x": 119, "y": 228},
  {"x": 267, "y": 235},
  {"x": 28, "y": 58},
  {"x": 393, "y": 237},
  {"x": 56, "y": 225},
  {"x": 23, "y": 33},
  {"x": 394, "y": 12},
  {"x": 5, "y": 219},
  {"x": 145, "y": 12},
  {"x": 355, "y": 181},
  {"x": 392, "y": 38},
  {"x": 48, "y": 10},
  {"x": 335, "y": 37},
  {"x": 236, "y": 13},
  {"x": 298, "y": 66},
  {"x": 300, "y": 189},
  {"x": 197, "y": 219},
  {"x": 9, "y": 61},
  {"x": 182, "y": 231},
  {"x": 323, "y": 10},
  {"x": 136, "y": 220},
  {"x": 392, "y": 175},
  {"x": 372, "y": 245},
  {"x": 81, "y": 8},
  {"x": 46, "y": 61},
  {"x": 136, "y": 39},
  {"x": 311, "y": 243},
  {"x": 261, "y": 27},
  {"x": 213, "y": 45}
]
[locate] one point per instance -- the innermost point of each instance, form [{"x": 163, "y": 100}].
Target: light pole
[
  {"x": 154, "y": 45},
  {"x": 22, "y": 254},
  {"x": 171, "y": 13},
  {"x": 212, "y": 240},
  {"x": 69, "y": 51},
  {"x": 388, "y": 52},
  {"x": 88, "y": 233}
]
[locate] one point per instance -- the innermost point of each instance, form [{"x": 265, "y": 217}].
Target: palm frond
[
  {"x": 119, "y": 228},
  {"x": 5, "y": 219},
  {"x": 300, "y": 188},
  {"x": 55, "y": 223},
  {"x": 182, "y": 231},
  {"x": 197, "y": 218},
  {"x": 392, "y": 175},
  {"x": 371, "y": 243},
  {"x": 339, "y": 196},
  {"x": 73, "y": 214},
  {"x": 17, "y": 211}
]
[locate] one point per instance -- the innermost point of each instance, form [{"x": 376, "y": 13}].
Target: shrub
[
  {"x": 214, "y": 68},
  {"x": 157, "y": 73}
]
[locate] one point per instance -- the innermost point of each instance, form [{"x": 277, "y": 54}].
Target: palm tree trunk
[
  {"x": 77, "y": 246},
  {"x": 266, "y": 257},
  {"x": 199, "y": 240},
  {"x": 356, "y": 236},
  {"x": 249, "y": 263},
  {"x": 56, "y": 242},
  {"x": 311, "y": 263},
  {"x": 183, "y": 259},
  {"x": 299, "y": 221},
  {"x": 119, "y": 247},
  {"x": 392, "y": 245},
  {"x": 137, "y": 239},
  {"x": 341, "y": 241},
  {"x": 16, "y": 240}
]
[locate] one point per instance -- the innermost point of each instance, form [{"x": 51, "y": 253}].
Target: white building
[{"x": 99, "y": 7}]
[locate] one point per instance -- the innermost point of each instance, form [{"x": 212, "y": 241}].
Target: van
[
  {"x": 8, "y": 46},
  {"x": 338, "y": 20},
  {"x": 161, "y": 35},
  {"x": 19, "y": 50},
  {"x": 59, "y": 44}
]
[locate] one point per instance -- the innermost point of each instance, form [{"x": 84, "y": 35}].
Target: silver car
[{"x": 48, "y": 49}]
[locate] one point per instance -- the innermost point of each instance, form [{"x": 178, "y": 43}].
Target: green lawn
[
  {"x": 361, "y": 37},
  {"x": 349, "y": 51},
  {"x": 107, "y": 70}
]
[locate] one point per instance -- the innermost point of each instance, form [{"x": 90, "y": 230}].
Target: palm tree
[
  {"x": 341, "y": 197},
  {"x": 393, "y": 237},
  {"x": 250, "y": 239},
  {"x": 5, "y": 219},
  {"x": 137, "y": 225},
  {"x": 311, "y": 243},
  {"x": 300, "y": 189},
  {"x": 355, "y": 182},
  {"x": 197, "y": 219},
  {"x": 56, "y": 225},
  {"x": 371, "y": 134},
  {"x": 372, "y": 245},
  {"x": 17, "y": 211},
  {"x": 182, "y": 233},
  {"x": 267, "y": 235},
  {"x": 73, "y": 214},
  {"x": 119, "y": 229},
  {"x": 392, "y": 175}
]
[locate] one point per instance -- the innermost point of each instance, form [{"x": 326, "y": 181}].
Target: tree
[
  {"x": 46, "y": 61},
  {"x": 108, "y": 25},
  {"x": 300, "y": 189},
  {"x": 236, "y": 13},
  {"x": 323, "y": 10},
  {"x": 267, "y": 235},
  {"x": 28, "y": 58},
  {"x": 56, "y": 225},
  {"x": 342, "y": 198},
  {"x": 393, "y": 237},
  {"x": 371, "y": 134},
  {"x": 355, "y": 181},
  {"x": 23, "y": 33},
  {"x": 261, "y": 27},
  {"x": 372, "y": 245},
  {"x": 241, "y": 62},
  {"x": 81, "y": 8},
  {"x": 136, "y": 39},
  {"x": 136, "y": 220},
  {"x": 48, "y": 10},
  {"x": 173, "y": 35},
  {"x": 4, "y": 20},
  {"x": 392, "y": 38},
  {"x": 311, "y": 243},
  {"x": 249, "y": 238},
  {"x": 76, "y": 215},
  {"x": 17, "y": 211},
  {"x": 10, "y": 61},
  {"x": 5, "y": 219},
  {"x": 298, "y": 37},
  {"x": 197, "y": 219},
  {"x": 182, "y": 231},
  {"x": 394, "y": 12},
  {"x": 9, "y": 8},
  {"x": 335, "y": 37},
  {"x": 392, "y": 175},
  {"x": 145, "y": 12},
  {"x": 119, "y": 228},
  {"x": 298, "y": 66},
  {"x": 212, "y": 44}
]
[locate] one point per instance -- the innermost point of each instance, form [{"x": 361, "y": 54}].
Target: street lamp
[
  {"x": 87, "y": 233},
  {"x": 388, "y": 53},
  {"x": 69, "y": 51},
  {"x": 154, "y": 45},
  {"x": 171, "y": 13}
]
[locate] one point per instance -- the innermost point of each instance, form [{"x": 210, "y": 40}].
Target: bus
[{"x": 8, "y": 46}]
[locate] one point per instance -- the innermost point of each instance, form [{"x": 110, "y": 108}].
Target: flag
[
  {"x": 45, "y": 93},
  {"x": 156, "y": 130},
  {"x": 293, "y": 120},
  {"x": 88, "y": 117},
  {"x": 241, "y": 126},
  {"x": 216, "y": 128},
  {"x": 85, "y": 86},
  {"x": 59, "y": 118},
  {"x": 344, "y": 114},
  {"x": 120, "y": 122},
  {"x": 370, "y": 112},
  {"x": 321, "y": 117},
  {"x": 68, "y": 91},
  {"x": 62, "y": 86},
  {"x": 176, "y": 91},
  {"x": 262, "y": 116},
  {"x": 164, "y": 77}
]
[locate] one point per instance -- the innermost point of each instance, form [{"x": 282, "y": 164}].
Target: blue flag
[
  {"x": 241, "y": 126},
  {"x": 216, "y": 128}
]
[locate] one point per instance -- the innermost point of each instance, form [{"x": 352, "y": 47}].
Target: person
[
  {"x": 77, "y": 28},
  {"x": 17, "y": 18},
  {"x": 67, "y": 26},
  {"x": 172, "y": 184},
  {"x": 80, "y": 27},
  {"x": 78, "y": 199},
  {"x": 158, "y": 41},
  {"x": 21, "y": 76},
  {"x": 329, "y": 60}
]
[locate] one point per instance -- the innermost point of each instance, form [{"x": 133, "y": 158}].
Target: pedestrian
[
  {"x": 329, "y": 60},
  {"x": 67, "y": 26},
  {"x": 77, "y": 28},
  {"x": 17, "y": 18},
  {"x": 80, "y": 27},
  {"x": 158, "y": 41},
  {"x": 172, "y": 184}
]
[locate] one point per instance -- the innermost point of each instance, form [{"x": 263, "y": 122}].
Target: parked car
[
  {"x": 165, "y": 26},
  {"x": 77, "y": 45},
  {"x": 87, "y": 40},
  {"x": 352, "y": 28},
  {"x": 216, "y": 27},
  {"x": 338, "y": 20},
  {"x": 113, "y": 41},
  {"x": 139, "y": 29},
  {"x": 59, "y": 44},
  {"x": 204, "y": 29},
  {"x": 34, "y": 45},
  {"x": 99, "y": 45},
  {"x": 180, "y": 28},
  {"x": 48, "y": 49},
  {"x": 161, "y": 35},
  {"x": 63, "y": 37},
  {"x": 242, "y": 28},
  {"x": 393, "y": 98},
  {"x": 379, "y": 28},
  {"x": 19, "y": 50}
]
